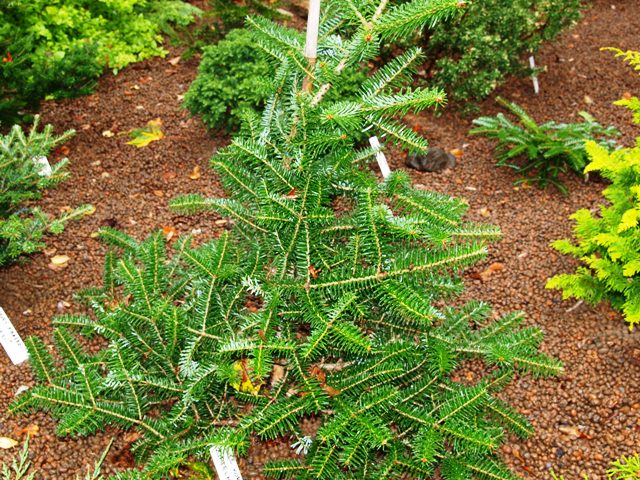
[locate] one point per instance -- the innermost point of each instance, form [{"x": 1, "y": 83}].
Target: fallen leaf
[
  {"x": 195, "y": 173},
  {"x": 158, "y": 193},
  {"x": 588, "y": 100},
  {"x": 108, "y": 133},
  {"x": 485, "y": 212},
  {"x": 293, "y": 193},
  {"x": 62, "y": 151},
  {"x": 31, "y": 430},
  {"x": 6, "y": 443},
  {"x": 456, "y": 152},
  {"x": 627, "y": 95},
  {"x": 169, "y": 232},
  {"x": 574, "y": 432},
  {"x": 131, "y": 436},
  {"x": 166, "y": 176},
  {"x": 484, "y": 276},
  {"x": 332, "y": 392},
  {"x": 21, "y": 389},
  {"x": 313, "y": 271},
  {"x": 141, "y": 137},
  {"x": 59, "y": 262},
  {"x": 221, "y": 222},
  {"x": 277, "y": 374},
  {"x": 174, "y": 61}
]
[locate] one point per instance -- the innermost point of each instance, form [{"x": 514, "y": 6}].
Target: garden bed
[{"x": 583, "y": 419}]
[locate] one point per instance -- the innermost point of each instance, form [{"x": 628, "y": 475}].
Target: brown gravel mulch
[{"x": 583, "y": 420}]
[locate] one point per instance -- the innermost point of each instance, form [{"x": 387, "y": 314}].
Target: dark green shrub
[
  {"x": 235, "y": 76},
  {"x": 541, "y": 153},
  {"x": 58, "y": 49},
  {"x": 474, "y": 52},
  {"x": 22, "y": 180}
]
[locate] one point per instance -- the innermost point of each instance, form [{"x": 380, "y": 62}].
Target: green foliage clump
[
  {"x": 633, "y": 59},
  {"x": 324, "y": 300},
  {"x": 59, "y": 49},
  {"x": 608, "y": 244},
  {"x": 548, "y": 150},
  {"x": 626, "y": 468},
  {"x": 232, "y": 77},
  {"x": 21, "y": 180},
  {"x": 235, "y": 78},
  {"x": 474, "y": 52}
]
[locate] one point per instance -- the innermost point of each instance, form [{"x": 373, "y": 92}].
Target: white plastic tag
[
  {"x": 536, "y": 84},
  {"x": 382, "y": 160},
  {"x": 225, "y": 463},
  {"x": 45, "y": 167},
  {"x": 11, "y": 341}
]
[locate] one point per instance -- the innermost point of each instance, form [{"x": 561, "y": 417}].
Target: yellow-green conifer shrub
[{"x": 608, "y": 244}]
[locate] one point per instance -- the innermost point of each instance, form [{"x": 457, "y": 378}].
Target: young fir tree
[
  {"x": 332, "y": 296},
  {"x": 22, "y": 179}
]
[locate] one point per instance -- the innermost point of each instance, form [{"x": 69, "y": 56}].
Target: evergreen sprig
[
  {"x": 325, "y": 299},
  {"x": 22, "y": 180}
]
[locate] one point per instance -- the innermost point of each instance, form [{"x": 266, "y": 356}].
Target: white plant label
[
  {"x": 225, "y": 463},
  {"x": 11, "y": 341},
  {"x": 45, "y": 167},
  {"x": 536, "y": 84},
  {"x": 382, "y": 160}
]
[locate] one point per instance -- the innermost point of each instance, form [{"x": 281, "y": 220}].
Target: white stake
[
  {"x": 382, "y": 160},
  {"x": 311, "y": 45},
  {"x": 225, "y": 463},
  {"x": 536, "y": 85},
  {"x": 11, "y": 341}
]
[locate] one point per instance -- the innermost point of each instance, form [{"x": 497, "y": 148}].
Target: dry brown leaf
[
  {"x": 158, "y": 193},
  {"x": 32, "y": 430},
  {"x": 169, "y": 232},
  {"x": 456, "y": 152},
  {"x": 485, "y": 212},
  {"x": 195, "y": 173},
  {"x": 574, "y": 432},
  {"x": 166, "y": 176},
  {"x": 277, "y": 374},
  {"x": 493, "y": 268},
  {"x": 588, "y": 100},
  {"x": 62, "y": 151},
  {"x": 174, "y": 61}
]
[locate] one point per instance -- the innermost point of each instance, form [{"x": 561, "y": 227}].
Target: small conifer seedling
[
  {"x": 24, "y": 173},
  {"x": 332, "y": 297}
]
